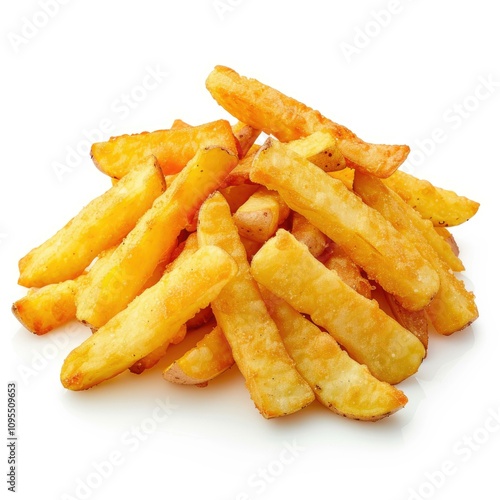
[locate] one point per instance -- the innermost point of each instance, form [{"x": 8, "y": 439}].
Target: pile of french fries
[{"x": 310, "y": 261}]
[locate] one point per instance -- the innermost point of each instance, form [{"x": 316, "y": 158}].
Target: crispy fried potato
[
  {"x": 154, "y": 237},
  {"x": 347, "y": 270},
  {"x": 441, "y": 206},
  {"x": 309, "y": 234},
  {"x": 285, "y": 267},
  {"x": 267, "y": 109},
  {"x": 157, "y": 354},
  {"x": 259, "y": 217},
  {"x": 172, "y": 148},
  {"x": 44, "y": 309},
  {"x": 444, "y": 233},
  {"x": 340, "y": 383},
  {"x": 245, "y": 137},
  {"x": 241, "y": 173},
  {"x": 321, "y": 149},
  {"x": 99, "y": 225},
  {"x": 274, "y": 384},
  {"x": 366, "y": 236},
  {"x": 453, "y": 308},
  {"x": 210, "y": 357},
  {"x": 150, "y": 320},
  {"x": 237, "y": 195}
]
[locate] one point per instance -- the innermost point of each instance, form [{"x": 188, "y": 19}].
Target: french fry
[
  {"x": 453, "y": 308},
  {"x": 347, "y": 270},
  {"x": 286, "y": 268},
  {"x": 309, "y": 234},
  {"x": 44, "y": 309},
  {"x": 340, "y": 383},
  {"x": 154, "y": 236},
  {"x": 441, "y": 206},
  {"x": 274, "y": 384},
  {"x": 210, "y": 357},
  {"x": 366, "y": 236},
  {"x": 267, "y": 109},
  {"x": 321, "y": 149},
  {"x": 172, "y": 148},
  {"x": 99, "y": 225},
  {"x": 150, "y": 320},
  {"x": 259, "y": 217},
  {"x": 245, "y": 136},
  {"x": 152, "y": 358},
  {"x": 241, "y": 173},
  {"x": 237, "y": 195}
]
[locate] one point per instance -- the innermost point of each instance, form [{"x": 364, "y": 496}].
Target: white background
[{"x": 393, "y": 72}]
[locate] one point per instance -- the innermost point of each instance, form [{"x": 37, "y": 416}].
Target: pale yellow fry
[
  {"x": 285, "y": 267},
  {"x": 366, "y": 236},
  {"x": 150, "y": 320},
  {"x": 340, "y": 383},
  {"x": 441, "y": 206},
  {"x": 99, "y": 225},
  {"x": 274, "y": 385},
  {"x": 320, "y": 148},
  {"x": 154, "y": 236}
]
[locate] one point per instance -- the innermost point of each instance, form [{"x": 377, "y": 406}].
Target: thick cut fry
[
  {"x": 309, "y": 234},
  {"x": 172, "y": 148},
  {"x": 347, "y": 270},
  {"x": 340, "y": 383},
  {"x": 241, "y": 173},
  {"x": 115, "y": 285},
  {"x": 267, "y": 109},
  {"x": 46, "y": 308},
  {"x": 100, "y": 225},
  {"x": 441, "y": 206},
  {"x": 210, "y": 357},
  {"x": 321, "y": 149},
  {"x": 157, "y": 354},
  {"x": 237, "y": 195},
  {"x": 370, "y": 240},
  {"x": 453, "y": 308},
  {"x": 285, "y": 267},
  {"x": 150, "y": 320},
  {"x": 271, "y": 378},
  {"x": 245, "y": 136},
  {"x": 259, "y": 217}
]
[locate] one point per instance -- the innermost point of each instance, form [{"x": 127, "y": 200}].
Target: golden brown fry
[
  {"x": 46, "y": 308},
  {"x": 245, "y": 137},
  {"x": 238, "y": 194},
  {"x": 150, "y": 320},
  {"x": 441, "y": 206},
  {"x": 366, "y": 236},
  {"x": 309, "y": 234},
  {"x": 259, "y": 217},
  {"x": 210, "y": 357},
  {"x": 340, "y": 383},
  {"x": 99, "y": 225},
  {"x": 173, "y": 148},
  {"x": 347, "y": 270},
  {"x": 267, "y": 109},
  {"x": 286, "y": 268},
  {"x": 274, "y": 385},
  {"x": 453, "y": 308},
  {"x": 154, "y": 236},
  {"x": 241, "y": 173}
]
